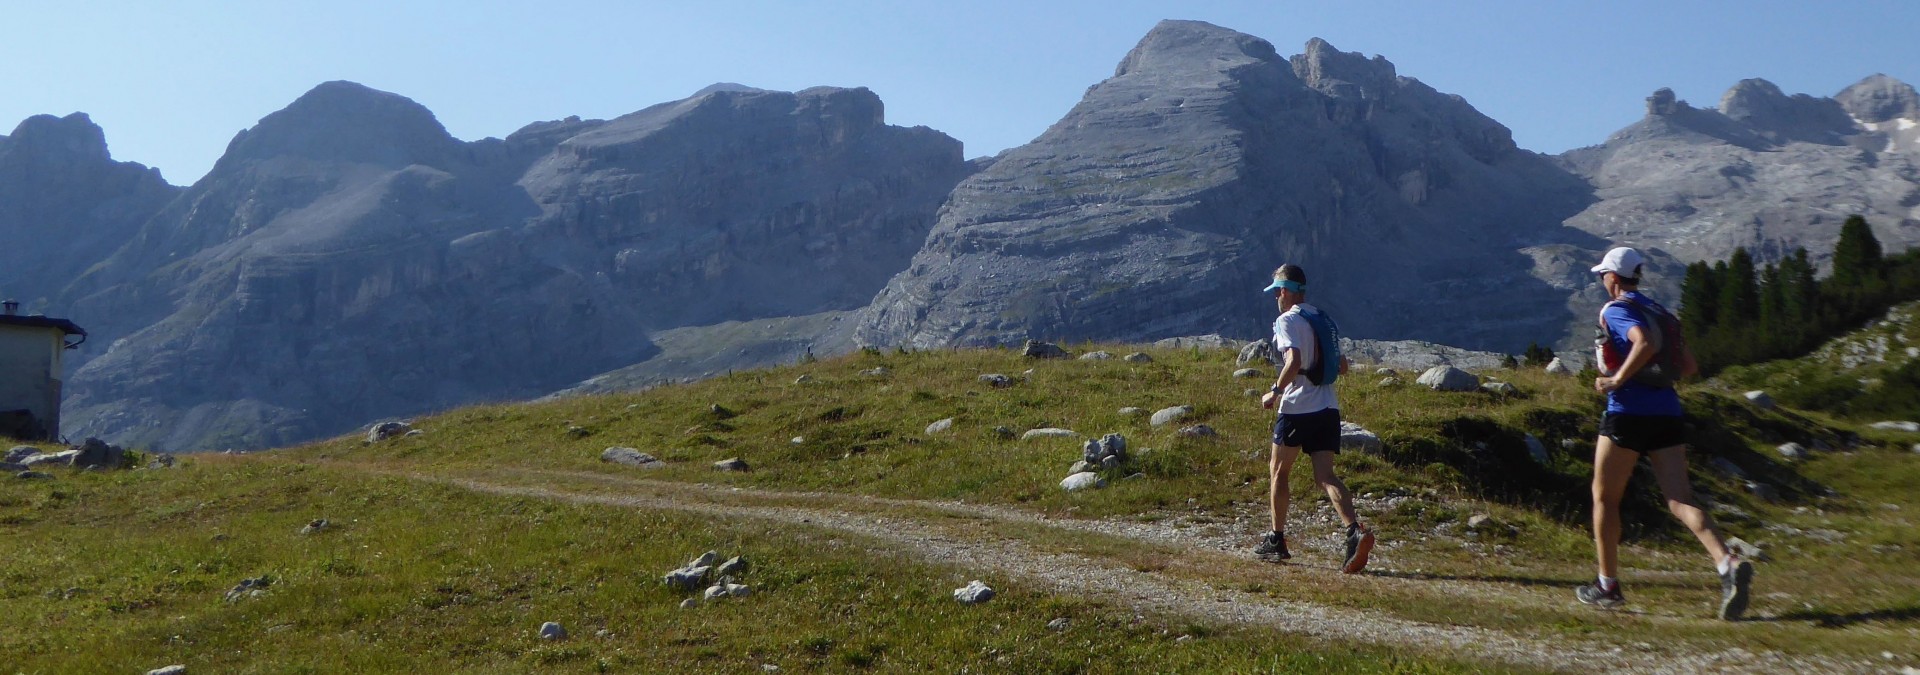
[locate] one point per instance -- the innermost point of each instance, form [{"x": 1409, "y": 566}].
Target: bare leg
[
  {"x": 1278, "y": 493},
  {"x": 1612, "y": 466},
  {"x": 1670, "y": 469},
  {"x": 1336, "y": 490}
]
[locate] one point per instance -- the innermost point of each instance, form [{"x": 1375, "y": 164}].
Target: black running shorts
[
  {"x": 1644, "y": 433},
  {"x": 1312, "y": 432}
]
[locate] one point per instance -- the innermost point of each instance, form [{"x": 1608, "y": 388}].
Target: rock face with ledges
[
  {"x": 1160, "y": 204},
  {"x": 347, "y": 259}
]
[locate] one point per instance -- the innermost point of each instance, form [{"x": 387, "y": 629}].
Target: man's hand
[
  {"x": 1271, "y": 398},
  {"x": 1606, "y": 384}
]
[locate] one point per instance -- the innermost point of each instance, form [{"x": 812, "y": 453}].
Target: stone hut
[{"x": 30, "y": 351}]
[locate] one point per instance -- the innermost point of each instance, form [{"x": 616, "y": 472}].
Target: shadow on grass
[
  {"x": 1836, "y": 620},
  {"x": 1512, "y": 580}
]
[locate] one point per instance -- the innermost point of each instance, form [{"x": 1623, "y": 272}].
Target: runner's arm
[{"x": 1642, "y": 352}]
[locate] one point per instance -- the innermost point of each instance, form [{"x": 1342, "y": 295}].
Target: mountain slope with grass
[{"x": 452, "y": 546}]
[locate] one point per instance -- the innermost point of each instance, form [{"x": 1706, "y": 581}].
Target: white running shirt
[{"x": 1292, "y": 331}]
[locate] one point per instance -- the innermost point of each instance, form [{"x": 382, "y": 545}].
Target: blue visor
[{"x": 1279, "y": 284}]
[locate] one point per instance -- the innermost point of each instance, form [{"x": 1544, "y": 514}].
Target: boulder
[
  {"x": 248, "y": 588},
  {"x": 1257, "y": 351},
  {"x": 1248, "y": 372},
  {"x": 1131, "y": 411},
  {"x": 315, "y": 526},
  {"x": 631, "y": 457},
  {"x": 98, "y": 453},
  {"x": 33, "y": 475},
  {"x": 1478, "y": 521},
  {"x": 996, "y": 380},
  {"x": 1909, "y": 427},
  {"x": 1388, "y": 382},
  {"x": 1500, "y": 388},
  {"x": 1449, "y": 378},
  {"x": 1559, "y": 367},
  {"x": 1082, "y": 481},
  {"x": 734, "y": 566},
  {"x": 876, "y": 371},
  {"x": 731, "y": 464},
  {"x": 688, "y": 578},
  {"x": 1048, "y": 432},
  {"x": 385, "y": 430},
  {"x": 1036, "y": 349},
  {"x": 1059, "y": 624},
  {"x": 1760, "y": 399},
  {"x": 689, "y": 603},
  {"x": 552, "y": 631},
  {"x": 1003, "y": 431},
  {"x": 1356, "y": 437},
  {"x": 1080, "y": 466},
  {"x": 1538, "y": 450},
  {"x": 738, "y": 590},
  {"x": 1138, "y": 357},
  {"x": 1384, "y": 371},
  {"x": 1095, "y": 356},
  {"x": 169, "y": 670},
  {"x": 1197, "y": 431},
  {"x": 1792, "y": 451},
  {"x": 973, "y": 593},
  {"x": 12, "y": 467},
  {"x": 716, "y": 592},
  {"x": 19, "y": 452},
  {"x": 939, "y": 426},
  {"x": 1169, "y": 415}
]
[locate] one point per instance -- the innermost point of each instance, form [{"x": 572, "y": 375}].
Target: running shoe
[
  {"x": 1733, "y": 589},
  {"x": 1592, "y": 595},
  {"x": 1359, "y": 544},
  {"x": 1272, "y": 548}
]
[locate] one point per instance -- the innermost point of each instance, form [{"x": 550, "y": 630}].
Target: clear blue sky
[{"x": 172, "y": 82}]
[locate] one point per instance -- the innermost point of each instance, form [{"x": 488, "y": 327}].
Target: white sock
[{"x": 1608, "y": 583}]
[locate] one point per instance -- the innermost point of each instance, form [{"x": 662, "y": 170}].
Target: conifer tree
[{"x": 1856, "y": 258}]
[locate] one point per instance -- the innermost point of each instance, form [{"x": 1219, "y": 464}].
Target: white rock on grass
[
  {"x": 1169, "y": 415},
  {"x": 1197, "y": 431},
  {"x": 939, "y": 426},
  {"x": 705, "y": 560},
  {"x": 996, "y": 380},
  {"x": 734, "y": 566},
  {"x": 1760, "y": 399},
  {"x": 385, "y": 430},
  {"x": 1388, "y": 381},
  {"x": 1559, "y": 367},
  {"x": 1095, "y": 356},
  {"x": 1130, "y": 411},
  {"x": 731, "y": 464},
  {"x": 1138, "y": 357},
  {"x": 973, "y": 593},
  {"x": 686, "y": 578},
  {"x": 689, "y": 603},
  {"x": 1500, "y": 388},
  {"x": 739, "y": 590},
  {"x": 1741, "y": 548},
  {"x": 1449, "y": 378},
  {"x": 19, "y": 452},
  {"x": 1356, "y": 437},
  {"x": 1083, "y": 481},
  {"x": 1248, "y": 372},
  {"x": 716, "y": 592},
  {"x": 1909, "y": 427},
  {"x": 552, "y": 631},
  {"x": 1792, "y": 451},
  {"x": 169, "y": 670},
  {"x": 1048, "y": 432}
]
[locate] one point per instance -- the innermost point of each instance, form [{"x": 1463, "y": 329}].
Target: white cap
[{"x": 1623, "y": 261}]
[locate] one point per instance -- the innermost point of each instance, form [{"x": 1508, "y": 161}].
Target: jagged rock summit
[
  {"x": 348, "y": 260},
  {"x": 1160, "y": 203}
]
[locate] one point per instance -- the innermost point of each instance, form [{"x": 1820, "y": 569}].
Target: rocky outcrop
[
  {"x": 1159, "y": 205},
  {"x": 347, "y": 259},
  {"x": 65, "y": 205}
]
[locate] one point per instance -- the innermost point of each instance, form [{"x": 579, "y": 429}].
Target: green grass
[{"x": 426, "y": 574}]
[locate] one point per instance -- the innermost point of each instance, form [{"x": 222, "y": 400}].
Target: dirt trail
[{"x": 1145, "y": 592}]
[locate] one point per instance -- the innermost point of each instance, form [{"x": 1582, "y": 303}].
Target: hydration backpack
[
  {"x": 1326, "y": 337},
  {"x": 1671, "y": 360}
]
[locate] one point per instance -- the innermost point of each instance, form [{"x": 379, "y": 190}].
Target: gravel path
[{"x": 1143, "y": 591}]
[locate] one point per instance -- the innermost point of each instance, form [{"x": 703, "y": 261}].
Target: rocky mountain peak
[
  {"x": 1880, "y": 98},
  {"x": 1178, "y": 45},
  {"x": 1343, "y": 74},
  {"x": 46, "y": 136},
  {"x": 347, "y": 122},
  {"x": 1761, "y": 106},
  {"x": 1663, "y": 103},
  {"x": 725, "y": 86}
]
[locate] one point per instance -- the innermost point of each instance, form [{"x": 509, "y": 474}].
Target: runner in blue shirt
[{"x": 1643, "y": 418}]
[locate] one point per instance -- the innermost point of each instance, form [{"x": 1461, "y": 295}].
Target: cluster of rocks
[
  {"x": 249, "y": 588},
  {"x": 382, "y": 431},
  {"x": 24, "y": 461},
  {"x": 1036, "y": 349},
  {"x": 697, "y": 574},
  {"x": 1107, "y": 453}
]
